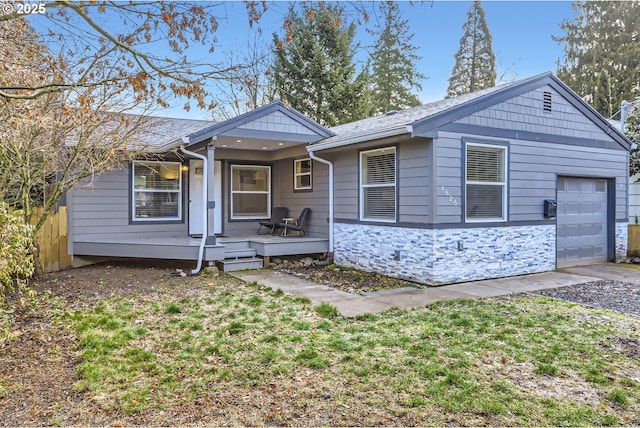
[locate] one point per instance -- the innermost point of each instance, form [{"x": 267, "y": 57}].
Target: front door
[{"x": 196, "y": 175}]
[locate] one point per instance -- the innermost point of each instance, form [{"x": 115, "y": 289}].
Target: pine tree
[
  {"x": 314, "y": 69},
  {"x": 602, "y": 53},
  {"x": 475, "y": 66},
  {"x": 393, "y": 63}
]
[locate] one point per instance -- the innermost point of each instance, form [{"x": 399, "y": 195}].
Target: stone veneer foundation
[
  {"x": 622, "y": 230},
  {"x": 449, "y": 255}
]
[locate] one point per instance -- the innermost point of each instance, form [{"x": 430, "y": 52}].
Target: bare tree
[
  {"x": 50, "y": 142},
  {"x": 249, "y": 85},
  {"x": 143, "y": 44}
]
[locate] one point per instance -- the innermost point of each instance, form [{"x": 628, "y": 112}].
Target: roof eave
[{"x": 361, "y": 138}]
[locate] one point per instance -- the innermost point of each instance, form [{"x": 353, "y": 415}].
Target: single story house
[{"x": 520, "y": 178}]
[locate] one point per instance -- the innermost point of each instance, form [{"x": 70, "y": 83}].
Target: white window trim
[
  {"x": 505, "y": 201},
  {"x": 362, "y": 186},
  {"x": 267, "y": 192},
  {"x": 134, "y": 191},
  {"x": 297, "y": 174}
]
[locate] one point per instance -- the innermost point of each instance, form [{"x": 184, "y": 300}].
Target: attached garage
[{"x": 582, "y": 222}]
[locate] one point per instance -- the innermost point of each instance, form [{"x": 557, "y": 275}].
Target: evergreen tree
[
  {"x": 475, "y": 66},
  {"x": 632, "y": 131},
  {"x": 602, "y": 53},
  {"x": 314, "y": 69},
  {"x": 393, "y": 63}
]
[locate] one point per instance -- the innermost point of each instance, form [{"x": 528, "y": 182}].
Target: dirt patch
[
  {"x": 38, "y": 355},
  {"x": 104, "y": 280}
]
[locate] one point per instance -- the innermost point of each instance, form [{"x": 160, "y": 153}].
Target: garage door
[{"x": 582, "y": 220}]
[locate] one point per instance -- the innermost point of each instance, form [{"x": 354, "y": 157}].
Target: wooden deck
[{"x": 186, "y": 248}]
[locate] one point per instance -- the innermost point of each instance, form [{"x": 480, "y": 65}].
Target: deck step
[
  {"x": 236, "y": 253},
  {"x": 244, "y": 263},
  {"x": 236, "y": 244}
]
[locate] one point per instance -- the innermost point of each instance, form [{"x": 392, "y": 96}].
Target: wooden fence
[
  {"x": 52, "y": 240},
  {"x": 633, "y": 243}
]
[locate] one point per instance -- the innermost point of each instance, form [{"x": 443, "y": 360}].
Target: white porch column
[{"x": 211, "y": 202}]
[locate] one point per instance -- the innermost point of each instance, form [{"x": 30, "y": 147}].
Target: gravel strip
[{"x": 606, "y": 294}]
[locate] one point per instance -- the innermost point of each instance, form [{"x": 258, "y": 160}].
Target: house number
[{"x": 453, "y": 200}]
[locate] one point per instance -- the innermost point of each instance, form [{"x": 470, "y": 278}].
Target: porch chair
[
  {"x": 277, "y": 214},
  {"x": 297, "y": 226}
]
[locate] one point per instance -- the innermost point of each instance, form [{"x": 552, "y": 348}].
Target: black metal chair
[
  {"x": 297, "y": 226},
  {"x": 277, "y": 214}
]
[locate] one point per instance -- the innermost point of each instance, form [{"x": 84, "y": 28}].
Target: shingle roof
[
  {"x": 407, "y": 117},
  {"x": 163, "y": 133},
  {"x": 423, "y": 120}
]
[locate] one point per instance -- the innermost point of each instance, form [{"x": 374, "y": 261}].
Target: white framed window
[
  {"x": 378, "y": 185},
  {"x": 485, "y": 183},
  {"x": 156, "y": 191},
  {"x": 302, "y": 174},
  {"x": 250, "y": 192}
]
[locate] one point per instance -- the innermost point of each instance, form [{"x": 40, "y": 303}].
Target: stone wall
[
  {"x": 446, "y": 256},
  {"x": 622, "y": 230},
  {"x": 493, "y": 252}
]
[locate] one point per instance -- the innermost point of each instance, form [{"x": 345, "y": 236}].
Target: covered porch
[
  {"x": 209, "y": 188},
  {"x": 233, "y": 252},
  {"x": 251, "y": 164}
]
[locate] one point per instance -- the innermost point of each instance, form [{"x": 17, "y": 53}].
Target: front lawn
[{"x": 214, "y": 350}]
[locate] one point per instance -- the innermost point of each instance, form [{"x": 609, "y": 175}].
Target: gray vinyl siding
[
  {"x": 448, "y": 153},
  {"x": 282, "y": 194},
  {"x": 533, "y": 165},
  {"x": 525, "y": 113},
  {"x": 101, "y": 210},
  {"x": 414, "y": 183},
  {"x": 534, "y": 168},
  {"x": 345, "y": 168},
  {"x": 316, "y": 199}
]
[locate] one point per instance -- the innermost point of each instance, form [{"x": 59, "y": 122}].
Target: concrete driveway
[{"x": 613, "y": 271}]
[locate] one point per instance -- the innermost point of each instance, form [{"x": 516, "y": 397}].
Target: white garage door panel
[{"x": 582, "y": 220}]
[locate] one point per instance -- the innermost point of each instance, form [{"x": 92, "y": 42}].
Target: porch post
[{"x": 211, "y": 203}]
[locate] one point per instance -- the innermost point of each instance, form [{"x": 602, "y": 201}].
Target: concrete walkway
[{"x": 351, "y": 305}]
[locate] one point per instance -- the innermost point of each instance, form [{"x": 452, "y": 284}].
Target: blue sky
[
  {"x": 522, "y": 38},
  {"x": 521, "y": 31}
]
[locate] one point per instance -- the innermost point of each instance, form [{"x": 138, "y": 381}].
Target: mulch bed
[{"x": 350, "y": 280}]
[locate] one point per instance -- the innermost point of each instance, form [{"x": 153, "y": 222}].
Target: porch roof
[{"x": 271, "y": 127}]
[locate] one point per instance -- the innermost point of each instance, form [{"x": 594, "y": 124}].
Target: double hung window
[
  {"x": 378, "y": 185},
  {"x": 250, "y": 192},
  {"x": 485, "y": 183},
  {"x": 157, "y": 191},
  {"x": 302, "y": 174}
]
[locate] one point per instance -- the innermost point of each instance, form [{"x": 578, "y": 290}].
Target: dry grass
[{"x": 212, "y": 350}]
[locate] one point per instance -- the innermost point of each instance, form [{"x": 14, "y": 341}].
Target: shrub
[{"x": 16, "y": 247}]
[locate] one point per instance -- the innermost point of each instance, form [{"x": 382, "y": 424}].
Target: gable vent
[{"x": 546, "y": 104}]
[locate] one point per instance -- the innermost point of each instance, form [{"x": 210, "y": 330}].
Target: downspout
[
  {"x": 205, "y": 168},
  {"x": 314, "y": 157}
]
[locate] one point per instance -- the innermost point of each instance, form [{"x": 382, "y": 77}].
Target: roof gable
[
  {"x": 274, "y": 119},
  {"x": 425, "y": 120},
  {"x": 509, "y": 91}
]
